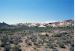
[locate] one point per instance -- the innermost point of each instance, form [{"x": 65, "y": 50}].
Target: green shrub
[
  {"x": 61, "y": 45},
  {"x": 54, "y": 49},
  {"x": 16, "y": 48},
  {"x": 71, "y": 48}
]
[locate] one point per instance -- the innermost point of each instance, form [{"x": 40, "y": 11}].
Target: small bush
[
  {"x": 61, "y": 45},
  {"x": 55, "y": 49},
  {"x": 71, "y": 48}
]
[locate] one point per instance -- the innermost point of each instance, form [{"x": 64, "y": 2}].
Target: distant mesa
[{"x": 4, "y": 25}]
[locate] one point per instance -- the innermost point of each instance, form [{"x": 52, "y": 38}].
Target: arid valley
[{"x": 56, "y": 36}]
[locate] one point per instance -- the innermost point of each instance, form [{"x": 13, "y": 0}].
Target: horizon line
[{"x": 37, "y": 22}]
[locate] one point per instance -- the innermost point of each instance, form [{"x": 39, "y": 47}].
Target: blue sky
[{"x": 22, "y": 11}]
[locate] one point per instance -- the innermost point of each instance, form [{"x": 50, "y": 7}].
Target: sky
[{"x": 22, "y": 11}]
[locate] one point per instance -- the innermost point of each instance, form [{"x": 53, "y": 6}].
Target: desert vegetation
[{"x": 37, "y": 39}]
